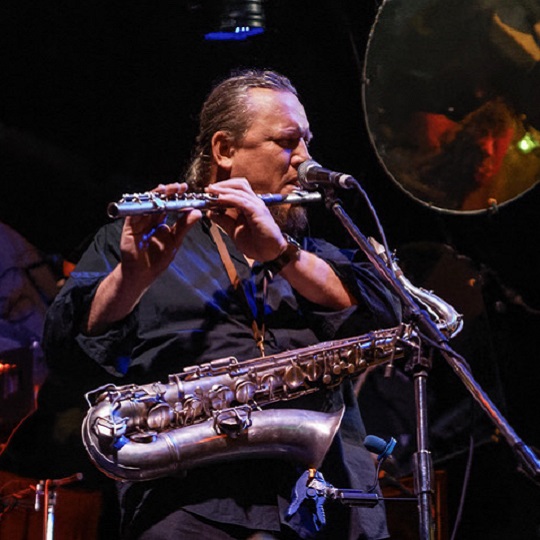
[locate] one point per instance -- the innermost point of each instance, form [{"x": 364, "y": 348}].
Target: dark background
[{"x": 101, "y": 98}]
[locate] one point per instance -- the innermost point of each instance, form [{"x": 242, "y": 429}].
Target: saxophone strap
[{"x": 234, "y": 278}]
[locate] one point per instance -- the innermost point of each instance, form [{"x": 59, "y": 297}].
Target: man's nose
[{"x": 300, "y": 153}]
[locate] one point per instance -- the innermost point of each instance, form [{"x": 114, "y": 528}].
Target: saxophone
[
  {"x": 446, "y": 318},
  {"x": 215, "y": 412},
  {"x": 218, "y": 411}
]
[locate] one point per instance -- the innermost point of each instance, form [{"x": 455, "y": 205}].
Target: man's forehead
[
  {"x": 269, "y": 97},
  {"x": 277, "y": 103}
]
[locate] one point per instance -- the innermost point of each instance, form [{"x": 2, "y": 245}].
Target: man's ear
[{"x": 222, "y": 149}]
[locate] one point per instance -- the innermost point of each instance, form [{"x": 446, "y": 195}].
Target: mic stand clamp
[{"x": 311, "y": 486}]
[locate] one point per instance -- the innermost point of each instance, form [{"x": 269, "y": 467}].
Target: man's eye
[{"x": 288, "y": 143}]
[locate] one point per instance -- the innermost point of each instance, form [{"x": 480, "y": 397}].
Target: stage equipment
[
  {"x": 16, "y": 388},
  {"x": 238, "y": 20},
  {"x": 312, "y": 488},
  {"x": 450, "y": 95},
  {"x": 313, "y": 175},
  {"x": 44, "y": 496},
  {"x": 46, "y": 490},
  {"x": 150, "y": 202}
]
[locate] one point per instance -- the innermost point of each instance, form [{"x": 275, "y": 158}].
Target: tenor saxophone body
[{"x": 221, "y": 410}]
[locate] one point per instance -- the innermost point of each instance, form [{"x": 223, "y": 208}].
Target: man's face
[{"x": 275, "y": 143}]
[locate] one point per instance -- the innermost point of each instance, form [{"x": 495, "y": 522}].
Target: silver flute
[{"x": 150, "y": 202}]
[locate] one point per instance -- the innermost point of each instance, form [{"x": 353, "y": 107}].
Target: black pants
[{"x": 188, "y": 526}]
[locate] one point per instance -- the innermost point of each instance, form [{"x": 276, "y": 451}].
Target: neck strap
[{"x": 258, "y": 332}]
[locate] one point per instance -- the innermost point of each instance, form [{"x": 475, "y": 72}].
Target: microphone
[
  {"x": 313, "y": 175},
  {"x": 384, "y": 449},
  {"x": 380, "y": 446}
]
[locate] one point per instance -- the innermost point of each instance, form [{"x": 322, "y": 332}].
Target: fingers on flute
[{"x": 171, "y": 189}]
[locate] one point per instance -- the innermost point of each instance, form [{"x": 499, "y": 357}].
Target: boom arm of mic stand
[{"x": 530, "y": 462}]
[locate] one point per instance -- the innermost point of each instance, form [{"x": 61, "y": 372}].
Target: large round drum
[{"x": 452, "y": 99}]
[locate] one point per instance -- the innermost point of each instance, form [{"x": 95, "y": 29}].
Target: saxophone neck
[{"x": 447, "y": 319}]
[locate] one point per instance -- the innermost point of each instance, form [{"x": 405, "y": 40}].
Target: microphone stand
[{"x": 431, "y": 334}]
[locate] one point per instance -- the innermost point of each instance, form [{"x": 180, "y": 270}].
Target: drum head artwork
[{"x": 452, "y": 100}]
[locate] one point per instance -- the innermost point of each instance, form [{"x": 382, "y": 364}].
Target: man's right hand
[{"x": 148, "y": 245}]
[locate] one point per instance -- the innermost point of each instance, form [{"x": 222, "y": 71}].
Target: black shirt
[{"x": 191, "y": 314}]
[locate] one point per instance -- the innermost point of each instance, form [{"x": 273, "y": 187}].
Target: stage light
[
  {"x": 238, "y": 20},
  {"x": 528, "y": 143}
]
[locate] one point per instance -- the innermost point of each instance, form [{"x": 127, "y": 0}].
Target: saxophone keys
[
  {"x": 220, "y": 396},
  {"x": 327, "y": 379},
  {"x": 362, "y": 365},
  {"x": 188, "y": 411},
  {"x": 143, "y": 437},
  {"x": 232, "y": 421},
  {"x": 294, "y": 377},
  {"x": 245, "y": 391},
  {"x": 337, "y": 368},
  {"x": 348, "y": 368},
  {"x": 160, "y": 416},
  {"x": 313, "y": 370}
]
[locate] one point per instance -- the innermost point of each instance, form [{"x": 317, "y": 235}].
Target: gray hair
[{"x": 227, "y": 108}]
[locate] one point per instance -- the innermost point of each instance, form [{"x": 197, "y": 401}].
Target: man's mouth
[{"x": 292, "y": 185}]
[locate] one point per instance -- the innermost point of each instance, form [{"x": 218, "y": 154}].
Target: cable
[{"x": 466, "y": 479}]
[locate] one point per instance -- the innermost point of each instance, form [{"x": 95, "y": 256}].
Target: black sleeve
[
  {"x": 66, "y": 347},
  {"x": 377, "y": 307}
]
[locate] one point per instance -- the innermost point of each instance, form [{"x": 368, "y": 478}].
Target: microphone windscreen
[
  {"x": 304, "y": 167},
  {"x": 375, "y": 444}
]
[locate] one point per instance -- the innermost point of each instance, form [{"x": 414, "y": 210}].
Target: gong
[{"x": 451, "y": 95}]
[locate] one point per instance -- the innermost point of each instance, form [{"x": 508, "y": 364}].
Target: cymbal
[{"x": 450, "y": 96}]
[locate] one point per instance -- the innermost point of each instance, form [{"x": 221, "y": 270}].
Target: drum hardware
[
  {"x": 46, "y": 491},
  {"x": 456, "y": 136},
  {"x": 44, "y": 497},
  {"x": 16, "y": 388}
]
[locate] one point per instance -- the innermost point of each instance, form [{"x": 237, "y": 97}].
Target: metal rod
[{"x": 422, "y": 462}]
